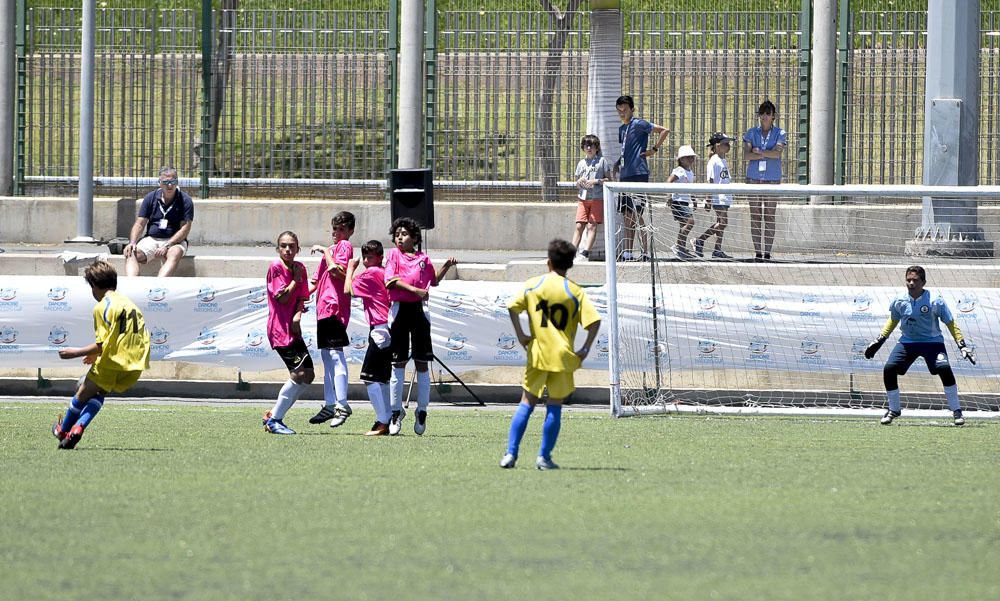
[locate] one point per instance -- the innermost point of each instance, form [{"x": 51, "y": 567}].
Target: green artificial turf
[{"x": 182, "y": 502}]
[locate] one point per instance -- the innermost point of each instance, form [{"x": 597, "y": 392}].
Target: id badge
[
  {"x": 762, "y": 165},
  {"x": 621, "y": 161},
  {"x": 163, "y": 224}
]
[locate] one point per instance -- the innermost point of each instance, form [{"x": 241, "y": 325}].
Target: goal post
[{"x": 715, "y": 327}]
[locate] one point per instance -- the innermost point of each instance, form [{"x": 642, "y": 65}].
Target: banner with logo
[{"x": 222, "y": 321}]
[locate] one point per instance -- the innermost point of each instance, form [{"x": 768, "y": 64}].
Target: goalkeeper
[{"x": 919, "y": 311}]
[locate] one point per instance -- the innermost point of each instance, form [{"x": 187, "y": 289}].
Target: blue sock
[
  {"x": 90, "y": 410},
  {"x": 550, "y": 430},
  {"x": 517, "y": 427},
  {"x": 72, "y": 414}
]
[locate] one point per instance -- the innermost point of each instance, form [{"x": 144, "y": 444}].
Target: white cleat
[
  {"x": 396, "y": 422},
  {"x": 545, "y": 464},
  {"x": 508, "y": 461}
]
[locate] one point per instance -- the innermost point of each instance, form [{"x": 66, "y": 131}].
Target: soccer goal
[{"x": 775, "y": 316}]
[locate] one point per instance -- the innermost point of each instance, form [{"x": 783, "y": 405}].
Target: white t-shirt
[
  {"x": 718, "y": 173},
  {"x": 683, "y": 176}
]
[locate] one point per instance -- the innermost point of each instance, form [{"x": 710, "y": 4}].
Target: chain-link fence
[{"x": 297, "y": 98}]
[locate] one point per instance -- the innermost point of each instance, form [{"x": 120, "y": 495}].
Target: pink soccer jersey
[
  {"x": 330, "y": 296},
  {"x": 369, "y": 286},
  {"x": 416, "y": 270},
  {"x": 279, "y": 315}
]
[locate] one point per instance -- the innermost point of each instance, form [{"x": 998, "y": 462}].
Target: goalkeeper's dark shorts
[{"x": 905, "y": 353}]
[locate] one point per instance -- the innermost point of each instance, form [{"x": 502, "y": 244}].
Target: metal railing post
[
  {"x": 207, "y": 155},
  {"x": 805, "y": 50}
]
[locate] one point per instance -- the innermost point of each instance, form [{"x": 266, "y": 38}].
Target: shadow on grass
[
  {"x": 124, "y": 449},
  {"x": 593, "y": 469}
]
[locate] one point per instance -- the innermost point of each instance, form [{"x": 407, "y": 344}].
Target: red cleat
[{"x": 73, "y": 437}]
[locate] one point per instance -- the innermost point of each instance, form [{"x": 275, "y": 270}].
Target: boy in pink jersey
[
  {"x": 333, "y": 312},
  {"x": 287, "y": 291},
  {"x": 408, "y": 276},
  {"x": 368, "y": 284}
]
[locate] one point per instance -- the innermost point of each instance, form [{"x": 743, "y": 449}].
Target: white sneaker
[
  {"x": 420, "y": 423},
  {"x": 508, "y": 461},
  {"x": 396, "y": 422},
  {"x": 340, "y": 415},
  {"x": 545, "y": 464},
  {"x": 627, "y": 256}
]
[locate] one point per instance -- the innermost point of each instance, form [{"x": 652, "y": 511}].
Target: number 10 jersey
[{"x": 556, "y": 306}]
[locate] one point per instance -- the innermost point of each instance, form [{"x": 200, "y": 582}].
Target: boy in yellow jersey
[
  {"x": 555, "y": 307},
  {"x": 116, "y": 358}
]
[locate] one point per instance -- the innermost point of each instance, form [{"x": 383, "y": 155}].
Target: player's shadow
[
  {"x": 124, "y": 450},
  {"x": 594, "y": 469}
]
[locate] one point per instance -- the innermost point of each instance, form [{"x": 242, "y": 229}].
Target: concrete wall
[{"x": 852, "y": 229}]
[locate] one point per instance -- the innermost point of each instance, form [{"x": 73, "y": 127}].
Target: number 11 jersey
[
  {"x": 121, "y": 331},
  {"x": 556, "y": 306}
]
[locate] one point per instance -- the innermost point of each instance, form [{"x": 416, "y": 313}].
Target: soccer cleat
[
  {"x": 718, "y": 254},
  {"x": 508, "y": 461},
  {"x": 72, "y": 438},
  {"x": 699, "y": 247},
  {"x": 420, "y": 423},
  {"x": 959, "y": 419},
  {"x": 340, "y": 415},
  {"x": 57, "y": 430},
  {"x": 264, "y": 419},
  {"x": 379, "y": 429},
  {"x": 888, "y": 417},
  {"x": 276, "y": 426},
  {"x": 327, "y": 412},
  {"x": 545, "y": 464},
  {"x": 396, "y": 422}
]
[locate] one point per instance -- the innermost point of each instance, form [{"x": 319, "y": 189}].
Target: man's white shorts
[{"x": 149, "y": 245}]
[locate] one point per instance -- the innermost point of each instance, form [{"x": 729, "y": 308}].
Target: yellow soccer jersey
[
  {"x": 555, "y": 306},
  {"x": 121, "y": 331}
]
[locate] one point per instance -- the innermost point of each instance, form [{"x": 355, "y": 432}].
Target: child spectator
[
  {"x": 591, "y": 173},
  {"x": 333, "y": 312},
  {"x": 680, "y": 204},
  {"x": 718, "y": 173},
  {"x": 117, "y": 357},
  {"x": 287, "y": 291},
  {"x": 368, "y": 284},
  {"x": 408, "y": 276},
  {"x": 555, "y": 307}
]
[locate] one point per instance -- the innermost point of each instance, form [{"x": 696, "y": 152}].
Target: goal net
[{"x": 776, "y": 316}]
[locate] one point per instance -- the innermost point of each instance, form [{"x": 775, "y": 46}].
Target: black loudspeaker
[{"x": 411, "y": 194}]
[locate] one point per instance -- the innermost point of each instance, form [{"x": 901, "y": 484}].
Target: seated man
[{"x": 165, "y": 218}]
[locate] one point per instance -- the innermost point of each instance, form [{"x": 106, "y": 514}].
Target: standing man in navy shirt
[
  {"x": 161, "y": 227},
  {"x": 919, "y": 312},
  {"x": 633, "y": 135}
]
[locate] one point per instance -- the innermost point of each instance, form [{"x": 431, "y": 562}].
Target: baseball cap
[
  {"x": 718, "y": 137},
  {"x": 686, "y": 151}
]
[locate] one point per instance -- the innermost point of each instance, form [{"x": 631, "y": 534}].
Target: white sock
[
  {"x": 386, "y": 408},
  {"x": 375, "y": 396},
  {"x": 340, "y": 376},
  {"x": 396, "y": 384},
  {"x": 287, "y": 396},
  {"x": 423, "y": 389},
  {"x": 951, "y": 393},
  {"x": 329, "y": 392}
]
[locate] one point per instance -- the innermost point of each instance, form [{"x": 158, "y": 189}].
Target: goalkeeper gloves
[
  {"x": 874, "y": 347},
  {"x": 967, "y": 353}
]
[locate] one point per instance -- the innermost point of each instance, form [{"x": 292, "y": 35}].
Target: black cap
[{"x": 718, "y": 137}]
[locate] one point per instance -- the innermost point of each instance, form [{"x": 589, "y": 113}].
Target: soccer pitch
[{"x": 183, "y": 502}]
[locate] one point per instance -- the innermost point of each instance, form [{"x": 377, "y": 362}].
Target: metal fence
[{"x": 308, "y": 95}]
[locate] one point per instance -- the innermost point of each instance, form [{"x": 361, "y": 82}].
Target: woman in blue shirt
[{"x": 762, "y": 149}]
